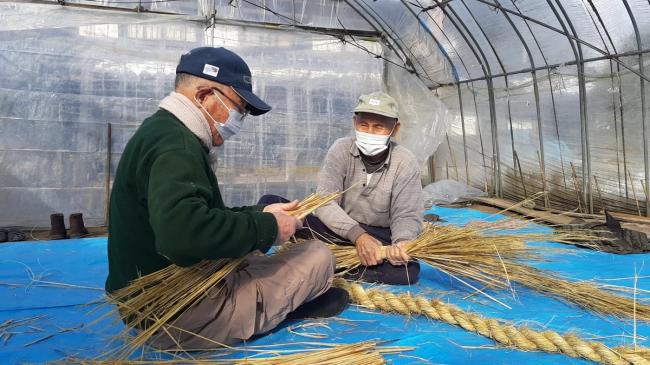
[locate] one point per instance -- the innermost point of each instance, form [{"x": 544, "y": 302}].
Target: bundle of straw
[
  {"x": 160, "y": 296},
  {"x": 456, "y": 251},
  {"x": 368, "y": 352},
  {"x": 491, "y": 260},
  {"x": 313, "y": 202}
]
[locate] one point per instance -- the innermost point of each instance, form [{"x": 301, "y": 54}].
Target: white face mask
[
  {"x": 232, "y": 125},
  {"x": 371, "y": 144}
]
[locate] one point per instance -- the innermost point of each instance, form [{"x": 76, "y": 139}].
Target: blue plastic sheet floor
[{"x": 31, "y": 274}]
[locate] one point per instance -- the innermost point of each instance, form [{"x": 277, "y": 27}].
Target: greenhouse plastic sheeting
[
  {"x": 69, "y": 311},
  {"x": 65, "y": 73}
]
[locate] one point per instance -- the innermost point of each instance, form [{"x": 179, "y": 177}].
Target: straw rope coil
[{"x": 508, "y": 335}]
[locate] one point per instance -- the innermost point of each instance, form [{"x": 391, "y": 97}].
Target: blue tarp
[{"x": 67, "y": 327}]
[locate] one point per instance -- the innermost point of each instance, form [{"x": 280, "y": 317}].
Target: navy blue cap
[{"x": 225, "y": 67}]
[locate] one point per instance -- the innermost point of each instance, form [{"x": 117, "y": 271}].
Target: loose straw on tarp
[
  {"x": 157, "y": 298},
  {"x": 492, "y": 260},
  {"x": 367, "y": 353}
]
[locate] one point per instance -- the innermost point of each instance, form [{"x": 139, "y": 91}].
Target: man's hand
[
  {"x": 396, "y": 254},
  {"x": 281, "y": 207},
  {"x": 368, "y": 250},
  {"x": 287, "y": 226}
]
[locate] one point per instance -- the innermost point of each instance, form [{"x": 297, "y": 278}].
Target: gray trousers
[{"x": 255, "y": 299}]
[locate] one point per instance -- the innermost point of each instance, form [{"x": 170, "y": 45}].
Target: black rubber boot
[
  {"x": 328, "y": 304},
  {"x": 57, "y": 227},
  {"x": 16, "y": 235},
  {"x": 77, "y": 228},
  {"x": 3, "y": 235}
]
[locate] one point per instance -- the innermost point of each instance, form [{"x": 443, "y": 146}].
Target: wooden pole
[
  {"x": 541, "y": 170},
  {"x": 645, "y": 191},
  {"x": 107, "y": 174},
  {"x": 521, "y": 174},
  {"x": 600, "y": 195},
  {"x": 453, "y": 158},
  {"x": 576, "y": 186},
  {"x": 638, "y": 208},
  {"x": 432, "y": 169}
]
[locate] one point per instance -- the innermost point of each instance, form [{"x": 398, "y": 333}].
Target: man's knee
[
  {"x": 271, "y": 199},
  {"x": 321, "y": 256}
]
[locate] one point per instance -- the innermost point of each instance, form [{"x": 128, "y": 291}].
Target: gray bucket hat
[{"x": 377, "y": 103}]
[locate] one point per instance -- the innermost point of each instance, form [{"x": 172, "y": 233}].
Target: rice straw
[
  {"x": 492, "y": 260},
  {"x": 155, "y": 299}
]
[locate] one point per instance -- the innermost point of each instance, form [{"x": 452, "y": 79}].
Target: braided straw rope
[{"x": 516, "y": 337}]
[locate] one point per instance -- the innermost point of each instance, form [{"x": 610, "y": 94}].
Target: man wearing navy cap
[{"x": 166, "y": 208}]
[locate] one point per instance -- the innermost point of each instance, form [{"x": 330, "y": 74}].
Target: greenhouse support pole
[
  {"x": 107, "y": 171},
  {"x": 537, "y": 108},
  {"x": 487, "y": 71},
  {"x": 456, "y": 78},
  {"x": 584, "y": 131},
  {"x": 462, "y": 124},
  {"x": 644, "y": 119},
  {"x": 503, "y": 70},
  {"x": 550, "y": 88}
]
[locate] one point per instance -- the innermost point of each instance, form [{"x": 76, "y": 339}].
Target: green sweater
[{"x": 166, "y": 207}]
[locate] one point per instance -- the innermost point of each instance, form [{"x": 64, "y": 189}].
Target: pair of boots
[{"x": 57, "y": 226}]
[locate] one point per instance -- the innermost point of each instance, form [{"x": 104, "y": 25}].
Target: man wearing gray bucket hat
[
  {"x": 382, "y": 203},
  {"x": 166, "y": 208}
]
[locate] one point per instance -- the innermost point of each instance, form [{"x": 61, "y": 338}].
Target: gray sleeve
[
  {"x": 330, "y": 179},
  {"x": 406, "y": 206}
]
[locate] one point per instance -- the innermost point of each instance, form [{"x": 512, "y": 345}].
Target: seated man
[
  {"x": 166, "y": 208},
  {"x": 382, "y": 203}
]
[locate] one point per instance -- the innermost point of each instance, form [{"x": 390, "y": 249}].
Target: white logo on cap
[
  {"x": 374, "y": 102},
  {"x": 210, "y": 70}
]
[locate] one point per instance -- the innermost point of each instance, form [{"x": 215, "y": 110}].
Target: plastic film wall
[
  {"x": 542, "y": 94},
  {"x": 67, "y": 74},
  {"x": 561, "y": 126}
]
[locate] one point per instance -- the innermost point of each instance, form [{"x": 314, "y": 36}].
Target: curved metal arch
[
  {"x": 393, "y": 35},
  {"x": 550, "y": 84},
  {"x": 582, "y": 95},
  {"x": 620, "y": 96},
  {"x": 460, "y": 100},
  {"x": 537, "y": 108},
  {"x": 485, "y": 66},
  {"x": 505, "y": 77},
  {"x": 575, "y": 38},
  {"x": 460, "y": 58},
  {"x": 382, "y": 34}
]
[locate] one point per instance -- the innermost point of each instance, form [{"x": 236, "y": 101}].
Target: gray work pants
[{"x": 255, "y": 299}]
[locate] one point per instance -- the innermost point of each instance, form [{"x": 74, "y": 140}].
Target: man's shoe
[
  {"x": 386, "y": 273},
  {"x": 77, "y": 228},
  {"x": 328, "y": 304},
  {"x": 15, "y": 235},
  {"x": 57, "y": 227}
]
